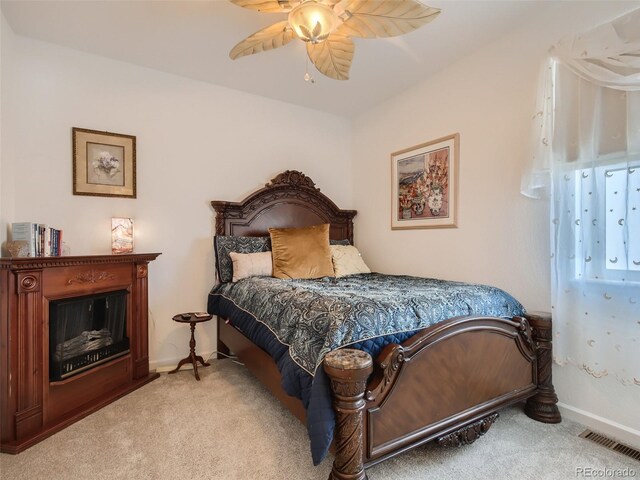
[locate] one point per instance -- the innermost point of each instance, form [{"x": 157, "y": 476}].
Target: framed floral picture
[
  {"x": 104, "y": 164},
  {"x": 424, "y": 184}
]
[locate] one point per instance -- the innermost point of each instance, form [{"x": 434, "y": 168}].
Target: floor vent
[{"x": 611, "y": 444}]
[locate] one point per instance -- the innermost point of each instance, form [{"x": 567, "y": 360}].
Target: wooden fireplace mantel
[{"x": 31, "y": 406}]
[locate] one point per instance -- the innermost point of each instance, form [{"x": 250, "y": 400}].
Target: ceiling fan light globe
[{"x": 313, "y": 21}]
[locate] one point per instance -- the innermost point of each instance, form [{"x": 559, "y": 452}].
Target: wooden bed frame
[{"x": 446, "y": 383}]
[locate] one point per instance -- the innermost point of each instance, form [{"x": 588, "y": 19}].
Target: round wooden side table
[{"x": 192, "y": 318}]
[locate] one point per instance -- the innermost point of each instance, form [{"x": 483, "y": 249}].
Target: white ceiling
[{"x": 193, "y": 39}]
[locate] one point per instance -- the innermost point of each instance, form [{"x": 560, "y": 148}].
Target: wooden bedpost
[
  {"x": 348, "y": 370},
  {"x": 542, "y": 406}
]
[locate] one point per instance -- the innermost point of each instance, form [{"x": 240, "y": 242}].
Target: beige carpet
[{"x": 227, "y": 426}]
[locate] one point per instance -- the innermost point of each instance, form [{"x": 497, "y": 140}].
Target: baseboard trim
[
  {"x": 602, "y": 425},
  {"x": 168, "y": 364}
]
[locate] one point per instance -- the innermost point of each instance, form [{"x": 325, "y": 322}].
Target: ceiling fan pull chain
[{"x": 307, "y": 76}]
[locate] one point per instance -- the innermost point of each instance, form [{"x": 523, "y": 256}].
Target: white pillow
[
  {"x": 347, "y": 260},
  {"x": 247, "y": 265}
]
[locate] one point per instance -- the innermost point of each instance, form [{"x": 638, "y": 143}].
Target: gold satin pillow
[{"x": 301, "y": 252}]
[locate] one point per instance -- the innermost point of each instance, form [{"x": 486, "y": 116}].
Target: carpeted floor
[{"x": 227, "y": 426}]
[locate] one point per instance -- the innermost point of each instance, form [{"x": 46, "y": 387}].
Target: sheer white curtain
[
  {"x": 587, "y": 156},
  {"x": 595, "y": 214}
]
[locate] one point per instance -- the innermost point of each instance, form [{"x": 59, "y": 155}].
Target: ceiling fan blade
[
  {"x": 333, "y": 56},
  {"x": 371, "y": 19},
  {"x": 268, "y": 38},
  {"x": 270, "y": 6}
]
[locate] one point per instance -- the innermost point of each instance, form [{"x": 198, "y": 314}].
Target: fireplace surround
[{"x": 100, "y": 354}]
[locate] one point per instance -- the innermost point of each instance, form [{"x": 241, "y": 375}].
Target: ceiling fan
[{"x": 328, "y": 25}]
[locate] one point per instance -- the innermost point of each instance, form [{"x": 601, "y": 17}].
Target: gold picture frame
[
  {"x": 104, "y": 164},
  {"x": 424, "y": 185}
]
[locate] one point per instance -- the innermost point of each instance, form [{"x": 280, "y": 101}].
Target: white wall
[
  {"x": 6, "y": 67},
  {"x": 503, "y": 237},
  {"x": 196, "y": 142}
]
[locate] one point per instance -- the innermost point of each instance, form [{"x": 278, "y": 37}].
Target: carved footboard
[{"x": 445, "y": 383}]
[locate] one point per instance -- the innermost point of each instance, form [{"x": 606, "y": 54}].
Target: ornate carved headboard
[{"x": 291, "y": 199}]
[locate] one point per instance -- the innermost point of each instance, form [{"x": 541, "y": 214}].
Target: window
[{"x": 607, "y": 230}]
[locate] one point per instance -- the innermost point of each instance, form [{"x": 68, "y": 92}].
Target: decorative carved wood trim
[
  {"x": 290, "y": 187},
  {"x": 512, "y": 328},
  {"x": 92, "y": 276},
  {"x": 293, "y": 178},
  {"x": 469, "y": 433},
  {"x": 389, "y": 362},
  {"x": 28, "y": 344},
  {"x": 348, "y": 370},
  {"x": 525, "y": 332},
  {"x": 141, "y": 271},
  {"x": 543, "y": 405},
  {"x": 34, "y": 263},
  {"x": 28, "y": 282}
]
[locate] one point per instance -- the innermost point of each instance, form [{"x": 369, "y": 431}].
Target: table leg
[
  {"x": 180, "y": 363},
  {"x": 195, "y": 367},
  {"x": 192, "y": 350},
  {"x": 192, "y": 358}
]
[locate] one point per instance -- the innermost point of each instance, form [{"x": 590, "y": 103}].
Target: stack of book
[{"x": 42, "y": 240}]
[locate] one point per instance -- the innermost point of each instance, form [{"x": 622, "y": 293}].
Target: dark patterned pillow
[
  {"x": 223, "y": 245},
  {"x": 339, "y": 242}
]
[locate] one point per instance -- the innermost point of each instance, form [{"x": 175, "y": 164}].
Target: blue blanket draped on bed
[{"x": 299, "y": 321}]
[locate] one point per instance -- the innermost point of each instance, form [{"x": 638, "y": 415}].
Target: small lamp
[{"x": 121, "y": 235}]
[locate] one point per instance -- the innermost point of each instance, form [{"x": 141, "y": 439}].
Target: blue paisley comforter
[
  {"x": 299, "y": 321},
  {"x": 314, "y": 317}
]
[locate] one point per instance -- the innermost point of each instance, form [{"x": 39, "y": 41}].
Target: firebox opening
[{"x": 85, "y": 332}]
